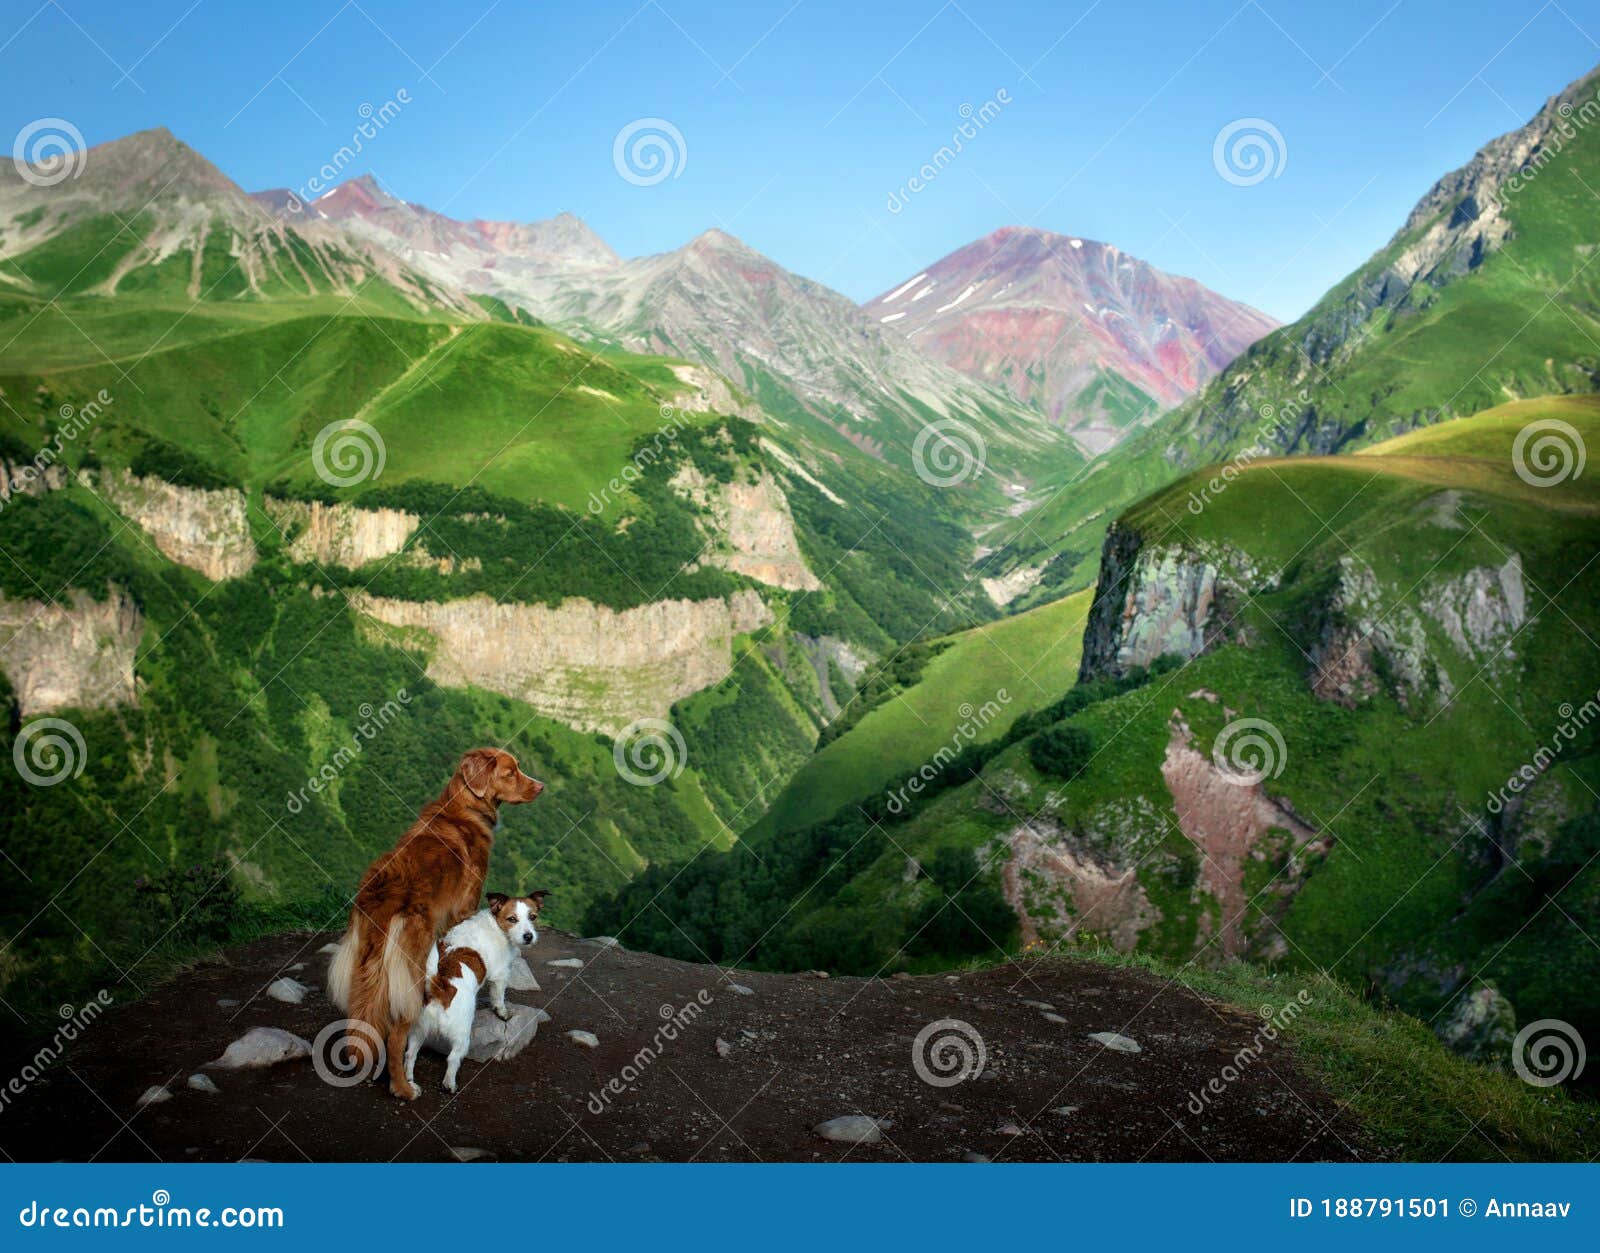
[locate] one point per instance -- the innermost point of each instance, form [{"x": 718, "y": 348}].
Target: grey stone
[
  {"x": 586, "y": 1038},
  {"x": 154, "y": 1096},
  {"x": 1481, "y": 1026},
  {"x": 289, "y": 991},
  {"x": 739, "y": 989},
  {"x": 202, "y": 1083},
  {"x": 566, "y": 963},
  {"x": 521, "y": 977},
  {"x": 262, "y": 1046},
  {"x": 494, "y": 1040},
  {"x": 1057, "y": 1018},
  {"x": 1118, "y": 1043},
  {"x": 473, "y": 1155},
  {"x": 853, "y": 1129}
]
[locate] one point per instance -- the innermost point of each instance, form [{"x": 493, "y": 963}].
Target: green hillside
[
  {"x": 974, "y": 687},
  {"x": 1380, "y": 855}
]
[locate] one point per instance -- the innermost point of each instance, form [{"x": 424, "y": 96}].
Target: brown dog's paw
[{"x": 408, "y": 1093}]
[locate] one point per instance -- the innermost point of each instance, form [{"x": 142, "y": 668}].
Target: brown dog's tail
[{"x": 376, "y": 979}]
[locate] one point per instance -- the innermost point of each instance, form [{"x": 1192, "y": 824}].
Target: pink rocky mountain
[{"x": 1100, "y": 341}]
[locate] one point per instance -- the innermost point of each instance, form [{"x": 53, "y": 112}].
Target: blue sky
[{"x": 799, "y": 121}]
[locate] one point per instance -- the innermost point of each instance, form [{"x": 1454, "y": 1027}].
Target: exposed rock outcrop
[
  {"x": 1478, "y": 612},
  {"x": 78, "y": 654},
  {"x": 594, "y": 668},
  {"x": 1057, "y": 886},
  {"x": 755, "y": 530},
  {"x": 207, "y": 530},
  {"x": 1012, "y": 584},
  {"x": 709, "y": 393},
  {"x": 341, "y": 534},
  {"x": 28, "y": 479},
  {"x": 1232, "y": 823},
  {"x": 1154, "y": 600},
  {"x": 1481, "y": 1026}
]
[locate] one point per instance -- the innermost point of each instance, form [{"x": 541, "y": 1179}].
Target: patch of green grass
[{"x": 984, "y": 678}]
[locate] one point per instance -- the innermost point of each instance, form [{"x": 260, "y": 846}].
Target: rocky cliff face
[
  {"x": 73, "y": 655},
  {"x": 206, "y": 530},
  {"x": 29, "y": 480},
  {"x": 753, "y": 528},
  {"x": 1474, "y": 613},
  {"x": 1154, "y": 600},
  {"x": 594, "y": 668},
  {"x": 340, "y": 534}
]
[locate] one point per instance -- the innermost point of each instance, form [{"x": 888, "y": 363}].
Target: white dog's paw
[
  {"x": 503, "y": 1013},
  {"x": 450, "y": 1086}
]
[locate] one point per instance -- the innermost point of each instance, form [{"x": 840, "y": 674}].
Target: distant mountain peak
[{"x": 1098, "y": 339}]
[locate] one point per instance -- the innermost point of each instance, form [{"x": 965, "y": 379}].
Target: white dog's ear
[{"x": 496, "y": 901}]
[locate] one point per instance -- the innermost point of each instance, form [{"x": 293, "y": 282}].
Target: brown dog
[{"x": 419, "y": 889}]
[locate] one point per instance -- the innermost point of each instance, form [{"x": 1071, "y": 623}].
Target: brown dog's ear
[
  {"x": 538, "y": 898},
  {"x": 477, "y": 771},
  {"x": 496, "y": 901}
]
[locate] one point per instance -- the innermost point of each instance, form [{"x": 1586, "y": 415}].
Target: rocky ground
[{"x": 761, "y": 1063}]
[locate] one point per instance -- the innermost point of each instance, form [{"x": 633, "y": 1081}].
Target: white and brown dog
[{"x": 474, "y": 954}]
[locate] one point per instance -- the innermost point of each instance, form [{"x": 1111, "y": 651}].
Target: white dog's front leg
[{"x": 497, "y": 999}]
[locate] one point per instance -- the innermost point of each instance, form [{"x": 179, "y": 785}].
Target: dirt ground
[{"x": 795, "y": 1050}]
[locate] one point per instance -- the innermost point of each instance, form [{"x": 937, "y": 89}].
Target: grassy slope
[
  {"x": 1032, "y": 657},
  {"x": 1408, "y": 892}
]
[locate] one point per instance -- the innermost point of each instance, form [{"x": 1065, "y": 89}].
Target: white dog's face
[{"x": 517, "y": 915}]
